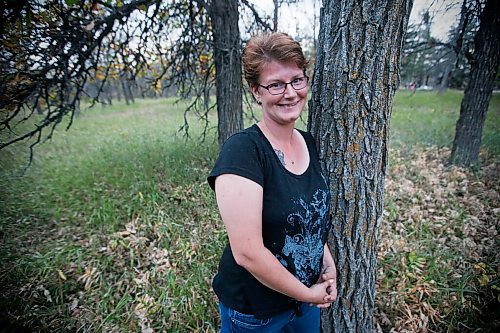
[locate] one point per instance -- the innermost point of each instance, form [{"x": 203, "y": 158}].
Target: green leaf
[{"x": 71, "y": 2}]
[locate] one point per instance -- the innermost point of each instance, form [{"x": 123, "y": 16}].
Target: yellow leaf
[
  {"x": 481, "y": 267},
  {"x": 100, "y": 76},
  {"x": 484, "y": 280},
  {"x": 61, "y": 275}
]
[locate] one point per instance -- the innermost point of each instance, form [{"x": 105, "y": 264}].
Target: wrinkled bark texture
[
  {"x": 484, "y": 66},
  {"x": 227, "y": 52},
  {"x": 355, "y": 78}
]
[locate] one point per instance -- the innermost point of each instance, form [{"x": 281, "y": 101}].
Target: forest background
[{"x": 112, "y": 226}]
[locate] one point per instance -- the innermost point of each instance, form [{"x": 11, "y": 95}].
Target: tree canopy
[{"x": 55, "y": 52}]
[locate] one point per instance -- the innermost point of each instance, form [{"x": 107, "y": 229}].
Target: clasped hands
[{"x": 324, "y": 292}]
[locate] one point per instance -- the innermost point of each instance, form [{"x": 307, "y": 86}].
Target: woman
[{"x": 277, "y": 270}]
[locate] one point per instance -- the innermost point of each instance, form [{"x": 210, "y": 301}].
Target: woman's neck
[{"x": 281, "y": 134}]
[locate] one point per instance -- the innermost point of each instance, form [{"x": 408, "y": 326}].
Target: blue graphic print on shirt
[{"x": 303, "y": 245}]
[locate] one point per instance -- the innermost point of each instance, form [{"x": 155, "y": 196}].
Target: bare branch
[{"x": 256, "y": 15}]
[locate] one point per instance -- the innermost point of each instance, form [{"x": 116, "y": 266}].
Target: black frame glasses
[{"x": 279, "y": 88}]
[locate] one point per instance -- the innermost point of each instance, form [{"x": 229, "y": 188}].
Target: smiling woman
[
  {"x": 282, "y": 93},
  {"x": 277, "y": 271}
]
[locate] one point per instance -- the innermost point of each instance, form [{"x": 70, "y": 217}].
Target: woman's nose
[{"x": 289, "y": 91}]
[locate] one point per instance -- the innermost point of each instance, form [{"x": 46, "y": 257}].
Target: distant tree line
[
  {"x": 468, "y": 60},
  {"x": 56, "y": 52},
  {"x": 441, "y": 64}
]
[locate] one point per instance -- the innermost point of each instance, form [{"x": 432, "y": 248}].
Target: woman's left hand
[{"x": 328, "y": 273}]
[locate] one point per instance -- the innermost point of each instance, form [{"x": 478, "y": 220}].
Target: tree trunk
[
  {"x": 206, "y": 96},
  {"x": 224, "y": 17},
  {"x": 477, "y": 95},
  {"x": 446, "y": 75},
  {"x": 129, "y": 89},
  {"x": 113, "y": 87},
  {"x": 125, "y": 90},
  {"x": 275, "y": 15},
  {"x": 108, "y": 95},
  {"x": 355, "y": 78}
]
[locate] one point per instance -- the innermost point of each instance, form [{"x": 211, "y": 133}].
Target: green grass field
[
  {"x": 426, "y": 119},
  {"x": 113, "y": 227}
]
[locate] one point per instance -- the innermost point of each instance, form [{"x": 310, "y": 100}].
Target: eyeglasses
[{"x": 279, "y": 88}]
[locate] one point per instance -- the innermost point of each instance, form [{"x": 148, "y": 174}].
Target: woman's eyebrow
[{"x": 274, "y": 80}]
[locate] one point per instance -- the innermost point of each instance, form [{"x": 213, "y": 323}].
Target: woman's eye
[
  {"x": 276, "y": 85},
  {"x": 298, "y": 80}
]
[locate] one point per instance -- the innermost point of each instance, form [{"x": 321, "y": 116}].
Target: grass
[
  {"x": 115, "y": 166},
  {"x": 113, "y": 228},
  {"x": 427, "y": 119}
]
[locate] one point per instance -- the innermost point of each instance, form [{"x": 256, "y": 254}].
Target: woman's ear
[{"x": 256, "y": 94}]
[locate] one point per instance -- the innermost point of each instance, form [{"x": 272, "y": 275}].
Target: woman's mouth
[{"x": 288, "y": 105}]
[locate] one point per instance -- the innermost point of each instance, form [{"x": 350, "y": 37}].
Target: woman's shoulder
[
  {"x": 307, "y": 136},
  {"x": 249, "y": 137},
  {"x": 250, "y": 132},
  {"x": 303, "y": 132},
  {"x": 240, "y": 155},
  {"x": 310, "y": 143}
]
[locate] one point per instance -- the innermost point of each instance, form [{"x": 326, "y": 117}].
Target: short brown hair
[{"x": 277, "y": 46}]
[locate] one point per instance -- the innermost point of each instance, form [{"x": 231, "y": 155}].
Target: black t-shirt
[{"x": 295, "y": 221}]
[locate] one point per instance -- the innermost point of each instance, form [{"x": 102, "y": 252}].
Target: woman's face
[{"x": 284, "y": 108}]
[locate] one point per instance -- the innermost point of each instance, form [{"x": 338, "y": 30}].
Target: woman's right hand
[{"x": 320, "y": 295}]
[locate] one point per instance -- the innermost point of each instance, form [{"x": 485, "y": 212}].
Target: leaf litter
[{"x": 438, "y": 261}]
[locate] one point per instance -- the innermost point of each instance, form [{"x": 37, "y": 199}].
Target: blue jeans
[{"x": 233, "y": 321}]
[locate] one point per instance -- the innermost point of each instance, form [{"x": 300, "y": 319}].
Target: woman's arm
[
  {"x": 329, "y": 272},
  {"x": 240, "y": 204}
]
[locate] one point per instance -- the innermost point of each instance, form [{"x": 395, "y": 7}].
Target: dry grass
[
  {"x": 438, "y": 255},
  {"x": 114, "y": 229}
]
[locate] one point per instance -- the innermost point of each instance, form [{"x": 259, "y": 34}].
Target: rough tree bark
[
  {"x": 275, "y": 16},
  {"x": 484, "y": 66},
  {"x": 355, "y": 78},
  {"x": 224, "y": 16},
  {"x": 125, "y": 90}
]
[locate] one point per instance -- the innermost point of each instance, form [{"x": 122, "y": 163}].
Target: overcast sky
[{"x": 298, "y": 19}]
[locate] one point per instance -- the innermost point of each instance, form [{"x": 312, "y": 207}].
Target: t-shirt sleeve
[{"x": 240, "y": 156}]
